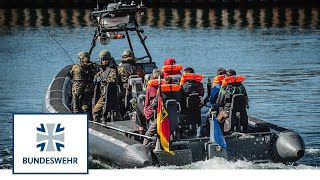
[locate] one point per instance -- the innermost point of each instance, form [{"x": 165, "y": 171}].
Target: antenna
[
  {"x": 61, "y": 47},
  {"x": 97, "y": 4}
]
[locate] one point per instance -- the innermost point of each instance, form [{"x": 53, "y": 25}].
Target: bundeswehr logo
[
  {"x": 50, "y": 143},
  {"x": 51, "y": 137}
]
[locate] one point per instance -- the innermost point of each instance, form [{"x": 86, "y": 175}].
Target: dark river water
[{"x": 277, "y": 49}]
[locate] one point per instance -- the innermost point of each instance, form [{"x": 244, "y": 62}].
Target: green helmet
[
  {"x": 127, "y": 54},
  {"x": 84, "y": 57},
  {"x": 104, "y": 54}
]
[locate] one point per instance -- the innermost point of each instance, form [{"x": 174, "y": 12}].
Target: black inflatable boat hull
[{"x": 268, "y": 142}]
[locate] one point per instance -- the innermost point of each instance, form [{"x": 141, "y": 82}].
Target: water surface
[{"x": 277, "y": 49}]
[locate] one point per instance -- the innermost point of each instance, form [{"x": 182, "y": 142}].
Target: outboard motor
[{"x": 288, "y": 146}]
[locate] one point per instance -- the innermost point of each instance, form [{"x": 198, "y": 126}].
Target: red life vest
[
  {"x": 154, "y": 83},
  {"x": 170, "y": 87},
  {"x": 190, "y": 76},
  {"x": 169, "y": 68},
  {"x": 217, "y": 79},
  {"x": 232, "y": 79}
]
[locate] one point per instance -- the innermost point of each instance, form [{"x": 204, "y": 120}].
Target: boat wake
[
  {"x": 313, "y": 151},
  {"x": 223, "y": 164},
  {"x": 96, "y": 163},
  {"x": 215, "y": 163},
  {"x": 219, "y": 163},
  {"x": 6, "y": 159}
]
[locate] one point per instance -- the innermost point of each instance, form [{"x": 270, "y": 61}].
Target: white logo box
[{"x": 69, "y": 153}]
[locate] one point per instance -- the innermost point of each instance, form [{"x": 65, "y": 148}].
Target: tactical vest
[
  {"x": 77, "y": 73},
  {"x": 80, "y": 73},
  {"x": 130, "y": 69}
]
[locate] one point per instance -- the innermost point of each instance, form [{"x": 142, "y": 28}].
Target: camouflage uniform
[
  {"x": 82, "y": 83},
  {"x": 128, "y": 67},
  {"x": 106, "y": 76}
]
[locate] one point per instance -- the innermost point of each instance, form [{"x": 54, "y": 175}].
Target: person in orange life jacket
[
  {"x": 221, "y": 72},
  {"x": 190, "y": 84},
  {"x": 170, "y": 67},
  {"x": 169, "y": 91},
  {"x": 231, "y": 85},
  {"x": 145, "y": 112}
]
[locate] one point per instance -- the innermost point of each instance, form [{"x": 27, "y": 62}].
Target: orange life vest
[
  {"x": 154, "y": 82},
  {"x": 169, "y": 68},
  {"x": 217, "y": 79},
  {"x": 190, "y": 76},
  {"x": 232, "y": 79},
  {"x": 170, "y": 87}
]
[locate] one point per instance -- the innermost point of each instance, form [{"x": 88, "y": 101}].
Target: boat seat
[
  {"x": 175, "y": 78},
  {"x": 135, "y": 87},
  {"x": 238, "y": 114},
  {"x": 141, "y": 98},
  {"x": 147, "y": 77},
  {"x": 191, "y": 118},
  {"x": 136, "y": 84},
  {"x": 173, "y": 108}
]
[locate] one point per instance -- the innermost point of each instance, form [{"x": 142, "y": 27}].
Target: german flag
[{"x": 163, "y": 124}]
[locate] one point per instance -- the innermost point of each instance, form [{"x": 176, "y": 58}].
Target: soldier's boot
[
  {"x": 103, "y": 120},
  {"x": 96, "y": 118}
]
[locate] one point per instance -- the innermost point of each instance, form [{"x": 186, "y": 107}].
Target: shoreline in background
[{"x": 160, "y": 3}]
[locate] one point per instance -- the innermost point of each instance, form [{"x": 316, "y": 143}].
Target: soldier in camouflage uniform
[
  {"x": 82, "y": 83},
  {"x": 126, "y": 68},
  {"x": 107, "y": 75}
]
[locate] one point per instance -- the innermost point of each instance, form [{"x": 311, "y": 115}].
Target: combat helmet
[
  {"x": 84, "y": 57},
  {"x": 104, "y": 54},
  {"x": 127, "y": 55}
]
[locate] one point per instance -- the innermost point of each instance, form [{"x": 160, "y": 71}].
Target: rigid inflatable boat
[{"x": 120, "y": 143}]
